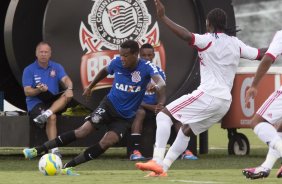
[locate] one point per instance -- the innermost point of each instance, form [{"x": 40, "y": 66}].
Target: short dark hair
[
  {"x": 43, "y": 43},
  {"x": 132, "y": 45},
  {"x": 218, "y": 19},
  {"x": 147, "y": 46}
]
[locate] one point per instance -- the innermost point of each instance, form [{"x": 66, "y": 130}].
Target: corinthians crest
[{"x": 112, "y": 22}]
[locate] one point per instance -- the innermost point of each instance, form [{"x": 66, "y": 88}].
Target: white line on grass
[{"x": 189, "y": 181}]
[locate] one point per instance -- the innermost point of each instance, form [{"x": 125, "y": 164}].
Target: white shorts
[
  {"x": 199, "y": 110},
  {"x": 271, "y": 108}
]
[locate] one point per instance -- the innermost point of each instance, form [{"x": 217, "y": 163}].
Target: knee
[
  {"x": 163, "y": 119},
  {"x": 68, "y": 99},
  {"x": 141, "y": 112},
  {"x": 81, "y": 132},
  {"x": 187, "y": 130},
  {"x": 108, "y": 141}
]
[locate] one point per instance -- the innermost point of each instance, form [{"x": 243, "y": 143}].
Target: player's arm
[
  {"x": 148, "y": 107},
  {"x": 160, "y": 90},
  {"x": 262, "y": 51},
  {"x": 100, "y": 76},
  {"x": 251, "y": 53},
  {"x": 261, "y": 71},
  {"x": 27, "y": 81},
  {"x": 68, "y": 86},
  {"x": 30, "y": 91},
  {"x": 180, "y": 31},
  {"x": 67, "y": 83}
]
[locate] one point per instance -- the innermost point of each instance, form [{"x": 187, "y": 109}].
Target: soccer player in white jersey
[
  {"x": 268, "y": 114},
  {"x": 219, "y": 56}
]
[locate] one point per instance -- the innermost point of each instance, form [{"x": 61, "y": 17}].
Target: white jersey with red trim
[
  {"x": 275, "y": 47},
  {"x": 219, "y": 56}
]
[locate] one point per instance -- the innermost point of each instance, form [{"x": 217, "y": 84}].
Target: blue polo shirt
[
  {"x": 129, "y": 86},
  {"x": 151, "y": 97},
  {"x": 34, "y": 74}
]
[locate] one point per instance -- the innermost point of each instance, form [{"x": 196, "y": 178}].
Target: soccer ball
[{"x": 50, "y": 164}]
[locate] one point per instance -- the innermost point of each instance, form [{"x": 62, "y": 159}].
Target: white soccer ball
[{"x": 50, "y": 164}]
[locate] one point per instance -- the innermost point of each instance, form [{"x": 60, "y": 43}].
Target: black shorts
[
  {"x": 37, "y": 110},
  {"x": 106, "y": 114}
]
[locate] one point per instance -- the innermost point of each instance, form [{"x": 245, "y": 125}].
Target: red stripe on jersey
[
  {"x": 185, "y": 103},
  {"x": 192, "y": 42},
  {"x": 269, "y": 102},
  {"x": 203, "y": 49},
  {"x": 258, "y": 54},
  {"x": 270, "y": 55}
]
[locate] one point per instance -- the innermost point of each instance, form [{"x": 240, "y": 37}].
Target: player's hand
[
  {"x": 158, "y": 108},
  {"x": 42, "y": 87},
  {"x": 69, "y": 93},
  {"x": 87, "y": 92},
  {"x": 251, "y": 93},
  {"x": 160, "y": 9},
  {"x": 151, "y": 87}
]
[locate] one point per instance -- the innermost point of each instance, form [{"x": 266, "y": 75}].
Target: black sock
[
  {"x": 89, "y": 154},
  {"x": 135, "y": 141},
  {"x": 59, "y": 141},
  {"x": 76, "y": 161},
  {"x": 65, "y": 138}
]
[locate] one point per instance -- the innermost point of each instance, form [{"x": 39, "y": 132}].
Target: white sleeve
[
  {"x": 275, "y": 47},
  {"x": 201, "y": 41},
  {"x": 248, "y": 52}
]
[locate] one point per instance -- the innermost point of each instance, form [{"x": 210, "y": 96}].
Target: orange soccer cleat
[{"x": 150, "y": 166}]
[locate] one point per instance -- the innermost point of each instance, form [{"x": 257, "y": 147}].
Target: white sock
[
  {"x": 268, "y": 134},
  {"x": 178, "y": 147},
  {"x": 164, "y": 124},
  {"x": 272, "y": 156},
  {"x": 48, "y": 113}
]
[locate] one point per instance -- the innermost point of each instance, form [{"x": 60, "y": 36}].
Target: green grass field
[{"x": 114, "y": 168}]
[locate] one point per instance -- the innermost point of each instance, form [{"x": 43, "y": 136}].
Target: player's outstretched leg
[
  {"x": 59, "y": 141},
  {"x": 89, "y": 154}
]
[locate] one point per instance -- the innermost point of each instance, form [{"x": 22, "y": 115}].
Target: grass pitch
[{"x": 114, "y": 167}]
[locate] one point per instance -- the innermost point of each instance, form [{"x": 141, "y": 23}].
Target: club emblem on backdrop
[{"x": 111, "y": 23}]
